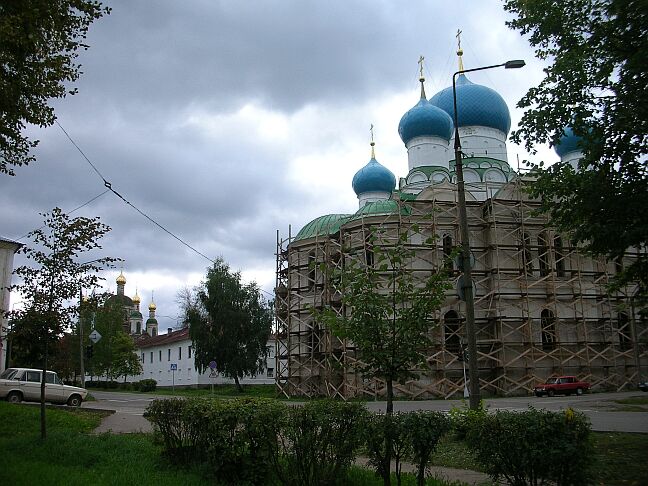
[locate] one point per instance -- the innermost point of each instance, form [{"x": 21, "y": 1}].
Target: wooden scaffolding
[{"x": 542, "y": 307}]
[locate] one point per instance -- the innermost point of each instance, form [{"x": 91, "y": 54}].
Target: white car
[{"x": 18, "y": 384}]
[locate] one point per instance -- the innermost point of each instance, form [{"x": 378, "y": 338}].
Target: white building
[
  {"x": 7, "y": 250},
  {"x": 169, "y": 360}
]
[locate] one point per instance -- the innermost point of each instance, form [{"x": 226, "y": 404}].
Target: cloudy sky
[{"x": 226, "y": 121}]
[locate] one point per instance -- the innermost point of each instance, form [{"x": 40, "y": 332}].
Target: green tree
[
  {"x": 39, "y": 44},
  {"x": 125, "y": 362},
  {"x": 391, "y": 308},
  {"x": 49, "y": 289},
  {"x": 110, "y": 354},
  {"x": 595, "y": 83},
  {"x": 229, "y": 323}
]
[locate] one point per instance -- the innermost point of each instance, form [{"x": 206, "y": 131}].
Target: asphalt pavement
[{"x": 601, "y": 409}]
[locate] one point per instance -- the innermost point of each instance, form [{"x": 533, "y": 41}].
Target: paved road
[{"x": 599, "y": 407}]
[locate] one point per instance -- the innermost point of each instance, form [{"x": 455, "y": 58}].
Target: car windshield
[
  {"x": 8, "y": 374},
  {"x": 552, "y": 381}
]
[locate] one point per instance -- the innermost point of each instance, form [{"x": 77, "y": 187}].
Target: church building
[{"x": 542, "y": 307}]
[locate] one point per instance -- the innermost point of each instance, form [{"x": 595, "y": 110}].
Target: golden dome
[
  {"x": 136, "y": 299},
  {"x": 152, "y": 306},
  {"x": 121, "y": 280}
]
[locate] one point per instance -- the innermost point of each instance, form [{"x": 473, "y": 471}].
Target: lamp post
[{"x": 465, "y": 242}]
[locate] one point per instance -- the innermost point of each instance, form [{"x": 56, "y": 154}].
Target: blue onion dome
[
  {"x": 373, "y": 177},
  {"x": 477, "y": 105},
  {"x": 425, "y": 119},
  {"x": 569, "y": 142}
]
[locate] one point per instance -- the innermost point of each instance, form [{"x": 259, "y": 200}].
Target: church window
[
  {"x": 369, "y": 251},
  {"x": 138, "y": 328},
  {"x": 311, "y": 270},
  {"x": 153, "y": 332},
  {"x": 447, "y": 252},
  {"x": 527, "y": 258},
  {"x": 151, "y": 356},
  {"x": 618, "y": 264},
  {"x": 623, "y": 327},
  {"x": 451, "y": 330},
  {"x": 543, "y": 255},
  {"x": 180, "y": 352},
  {"x": 142, "y": 357},
  {"x": 548, "y": 329},
  {"x": 189, "y": 352},
  {"x": 160, "y": 356},
  {"x": 559, "y": 256},
  {"x": 169, "y": 355}
]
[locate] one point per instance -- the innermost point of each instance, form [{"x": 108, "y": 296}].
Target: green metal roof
[
  {"x": 377, "y": 208},
  {"x": 324, "y": 225}
]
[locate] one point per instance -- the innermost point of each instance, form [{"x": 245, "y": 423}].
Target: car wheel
[
  {"x": 579, "y": 391},
  {"x": 550, "y": 393},
  {"x": 74, "y": 401},
  {"x": 538, "y": 394},
  {"x": 14, "y": 397}
]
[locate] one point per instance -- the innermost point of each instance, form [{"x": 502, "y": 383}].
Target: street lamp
[{"x": 465, "y": 241}]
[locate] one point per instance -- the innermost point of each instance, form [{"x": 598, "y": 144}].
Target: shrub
[
  {"x": 383, "y": 433},
  {"x": 424, "y": 430},
  {"x": 464, "y": 419},
  {"x": 319, "y": 442},
  {"x": 146, "y": 385},
  {"x": 170, "y": 417},
  {"x": 237, "y": 439},
  {"x": 534, "y": 447}
]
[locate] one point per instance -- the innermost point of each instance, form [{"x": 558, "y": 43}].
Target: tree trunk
[
  {"x": 42, "y": 397},
  {"x": 239, "y": 388},
  {"x": 388, "y": 432}
]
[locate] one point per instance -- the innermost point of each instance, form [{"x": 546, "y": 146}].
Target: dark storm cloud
[{"x": 160, "y": 112}]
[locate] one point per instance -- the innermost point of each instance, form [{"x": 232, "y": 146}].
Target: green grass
[
  {"x": 620, "y": 458},
  {"x": 72, "y": 456},
  {"x": 633, "y": 401}
]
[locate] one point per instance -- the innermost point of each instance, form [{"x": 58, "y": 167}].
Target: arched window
[
  {"x": 153, "y": 332},
  {"x": 548, "y": 329},
  {"x": 559, "y": 256},
  {"x": 138, "y": 328},
  {"x": 447, "y": 251},
  {"x": 527, "y": 258},
  {"x": 451, "y": 332},
  {"x": 543, "y": 254},
  {"x": 625, "y": 335}
]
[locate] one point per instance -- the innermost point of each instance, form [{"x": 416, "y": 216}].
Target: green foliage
[
  {"x": 237, "y": 438},
  {"x": 146, "y": 385},
  {"x": 319, "y": 442},
  {"x": 534, "y": 447},
  {"x": 229, "y": 322},
  {"x": 39, "y": 42},
  {"x": 595, "y": 83},
  {"x": 424, "y": 431},
  {"x": 391, "y": 307},
  {"x": 463, "y": 418},
  {"x": 386, "y": 440}
]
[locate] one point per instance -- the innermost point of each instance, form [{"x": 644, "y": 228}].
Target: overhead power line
[{"x": 109, "y": 187}]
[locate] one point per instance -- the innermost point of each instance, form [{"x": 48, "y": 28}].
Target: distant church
[
  {"x": 133, "y": 317},
  {"x": 541, "y": 304}
]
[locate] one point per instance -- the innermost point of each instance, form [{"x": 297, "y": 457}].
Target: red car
[{"x": 561, "y": 385}]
